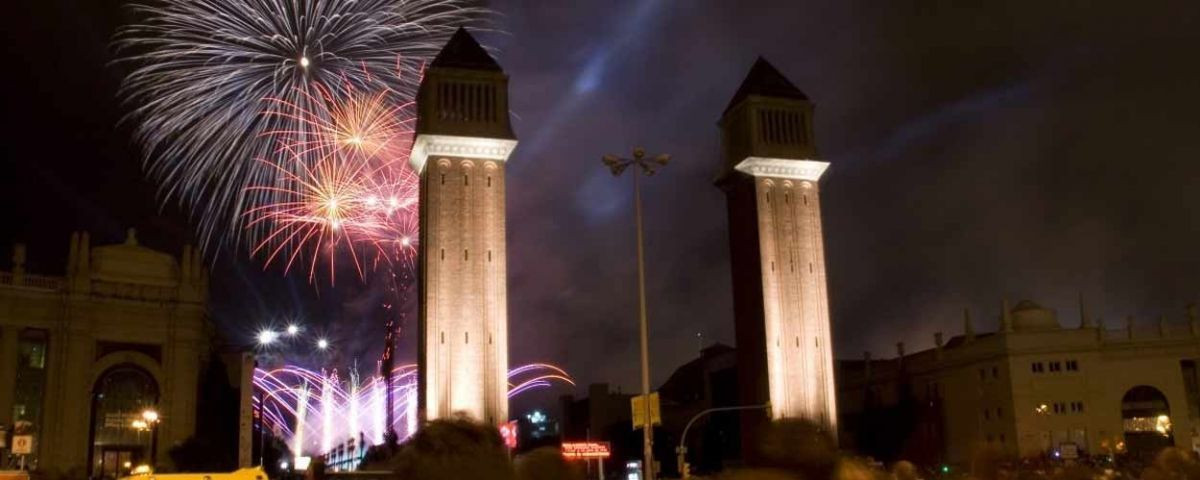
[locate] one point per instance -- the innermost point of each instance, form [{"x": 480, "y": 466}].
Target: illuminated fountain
[{"x": 314, "y": 411}]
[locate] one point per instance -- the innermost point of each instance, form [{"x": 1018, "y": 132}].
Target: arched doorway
[
  {"x": 1146, "y": 416},
  {"x": 118, "y": 444}
]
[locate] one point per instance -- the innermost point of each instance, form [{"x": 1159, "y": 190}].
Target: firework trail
[
  {"x": 202, "y": 71},
  {"x": 344, "y": 187},
  {"x": 313, "y": 410}
]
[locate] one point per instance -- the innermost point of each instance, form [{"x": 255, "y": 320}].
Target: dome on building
[
  {"x": 1028, "y": 316},
  {"x": 132, "y": 263}
]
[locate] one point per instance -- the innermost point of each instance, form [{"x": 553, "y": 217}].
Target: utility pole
[{"x": 647, "y": 167}]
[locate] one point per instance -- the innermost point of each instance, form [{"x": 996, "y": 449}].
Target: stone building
[
  {"x": 85, "y": 354},
  {"x": 1032, "y": 388}
]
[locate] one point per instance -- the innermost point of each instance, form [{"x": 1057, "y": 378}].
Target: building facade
[
  {"x": 770, "y": 177},
  {"x": 83, "y": 355},
  {"x": 1032, "y": 388},
  {"x": 463, "y": 139}
]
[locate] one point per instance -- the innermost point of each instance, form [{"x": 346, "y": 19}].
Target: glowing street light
[
  {"x": 322, "y": 344},
  {"x": 292, "y": 330},
  {"x": 648, "y": 167},
  {"x": 267, "y": 337},
  {"x": 149, "y": 422}
]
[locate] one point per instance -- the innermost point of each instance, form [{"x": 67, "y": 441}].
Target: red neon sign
[
  {"x": 586, "y": 450},
  {"x": 508, "y": 431}
]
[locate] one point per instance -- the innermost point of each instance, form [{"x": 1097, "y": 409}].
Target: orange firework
[{"x": 343, "y": 185}]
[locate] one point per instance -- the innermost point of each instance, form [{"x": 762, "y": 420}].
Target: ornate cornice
[
  {"x": 795, "y": 169},
  {"x": 427, "y": 145}
]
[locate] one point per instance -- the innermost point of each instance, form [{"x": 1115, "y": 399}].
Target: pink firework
[{"x": 344, "y": 186}]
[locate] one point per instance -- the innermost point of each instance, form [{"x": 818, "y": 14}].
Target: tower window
[
  {"x": 786, "y": 198},
  {"x": 489, "y": 255},
  {"x": 465, "y": 255},
  {"x": 797, "y": 342},
  {"x": 443, "y": 179},
  {"x": 806, "y": 199},
  {"x": 466, "y": 337},
  {"x": 443, "y": 254},
  {"x": 489, "y": 181},
  {"x": 443, "y": 337},
  {"x": 810, "y": 267},
  {"x": 466, "y": 180}
]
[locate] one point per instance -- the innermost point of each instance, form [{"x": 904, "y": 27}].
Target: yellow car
[{"x": 255, "y": 473}]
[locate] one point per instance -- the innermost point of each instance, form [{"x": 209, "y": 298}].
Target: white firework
[{"x": 203, "y": 72}]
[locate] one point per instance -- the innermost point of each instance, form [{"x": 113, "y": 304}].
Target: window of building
[
  {"x": 989, "y": 438},
  {"x": 982, "y": 374},
  {"x": 1055, "y": 366},
  {"x": 995, "y": 372},
  {"x": 999, "y": 412},
  {"x": 1072, "y": 366},
  {"x": 1060, "y": 408},
  {"x": 30, "y": 386},
  {"x": 987, "y": 414},
  {"x": 1038, "y": 367},
  {"x": 1076, "y": 407}
]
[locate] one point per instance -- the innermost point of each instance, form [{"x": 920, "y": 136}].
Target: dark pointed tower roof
[
  {"x": 462, "y": 51},
  {"x": 765, "y": 80}
]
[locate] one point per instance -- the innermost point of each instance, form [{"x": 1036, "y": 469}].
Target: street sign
[
  {"x": 22, "y": 444},
  {"x": 586, "y": 450},
  {"x": 638, "y": 405}
]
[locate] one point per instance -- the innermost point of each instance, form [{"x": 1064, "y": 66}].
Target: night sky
[{"x": 1018, "y": 150}]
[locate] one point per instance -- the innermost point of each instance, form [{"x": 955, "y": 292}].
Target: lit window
[{"x": 995, "y": 372}]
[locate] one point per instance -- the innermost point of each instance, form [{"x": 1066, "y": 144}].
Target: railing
[{"x": 39, "y": 282}]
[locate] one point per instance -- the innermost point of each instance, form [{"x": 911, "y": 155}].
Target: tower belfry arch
[{"x": 463, "y": 139}]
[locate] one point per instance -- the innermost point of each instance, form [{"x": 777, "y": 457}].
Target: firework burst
[
  {"x": 202, "y": 70},
  {"x": 343, "y": 183}
]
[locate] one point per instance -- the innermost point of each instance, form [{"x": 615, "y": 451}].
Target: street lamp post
[
  {"x": 149, "y": 423},
  {"x": 648, "y": 167}
]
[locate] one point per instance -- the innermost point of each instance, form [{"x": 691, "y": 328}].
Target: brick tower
[
  {"x": 463, "y": 139},
  {"x": 770, "y": 176}
]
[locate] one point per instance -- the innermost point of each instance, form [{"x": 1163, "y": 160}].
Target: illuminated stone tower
[
  {"x": 463, "y": 138},
  {"x": 770, "y": 177}
]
